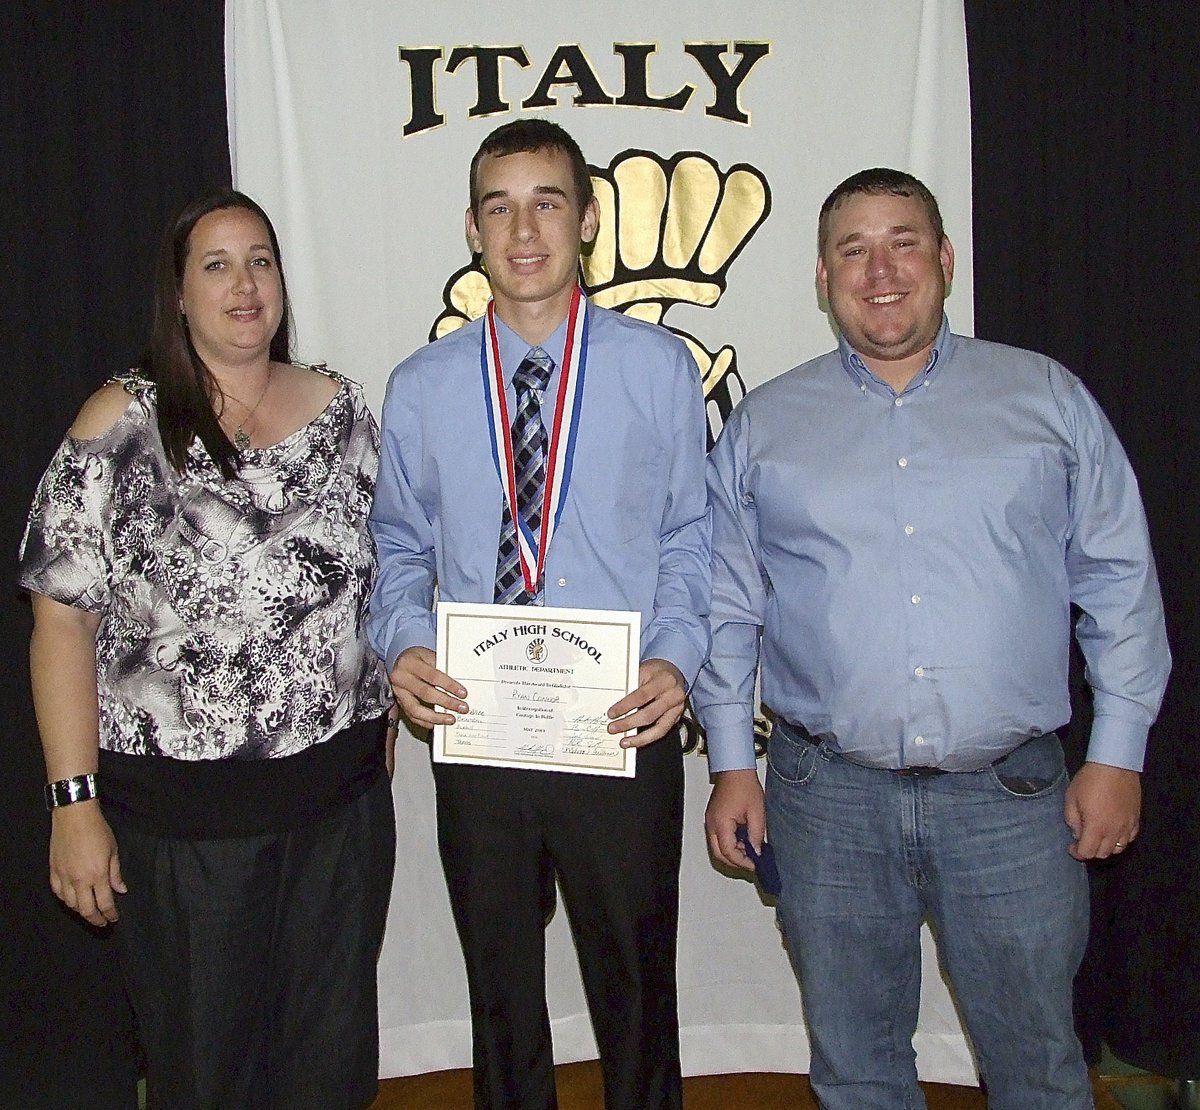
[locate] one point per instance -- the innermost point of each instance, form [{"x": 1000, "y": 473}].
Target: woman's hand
[
  {"x": 85, "y": 870},
  {"x": 389, "y": 744}
]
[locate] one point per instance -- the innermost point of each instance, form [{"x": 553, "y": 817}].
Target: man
[
  {"x": 632, "y": 534},
  {"x": 907, "y": 521}
]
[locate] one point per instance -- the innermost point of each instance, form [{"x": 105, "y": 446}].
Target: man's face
[
  {"x": 529, "y": 228},
  {"x": 885, "y": 275}
]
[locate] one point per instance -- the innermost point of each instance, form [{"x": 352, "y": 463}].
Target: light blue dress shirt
[
  {"x": 909, "y": 563},
  {"x": 634, "y": 532}
]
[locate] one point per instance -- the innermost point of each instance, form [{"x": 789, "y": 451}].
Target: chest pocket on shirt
[
  {"x": 639, "y": 490},
  {"x": 991, "y": 505}
]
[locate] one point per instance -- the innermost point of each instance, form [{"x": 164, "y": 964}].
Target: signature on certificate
[{"x": 534, "y": 751}]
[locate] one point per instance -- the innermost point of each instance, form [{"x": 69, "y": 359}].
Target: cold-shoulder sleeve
[{"x": 66, "y": 553}]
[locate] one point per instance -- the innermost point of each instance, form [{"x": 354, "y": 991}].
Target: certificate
[{"x": 539, "y": 683}]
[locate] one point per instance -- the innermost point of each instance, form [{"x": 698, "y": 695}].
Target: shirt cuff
[
  {"x": 1117, "y": 743},
  {"x": 729, "y": 738},
  {"x": 412, "y": 635},
  {"x": 678, "y": 650}
]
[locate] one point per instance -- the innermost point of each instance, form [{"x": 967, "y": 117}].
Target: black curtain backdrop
[
  {"x": 113, "y": 115},
  {"x": 1085, "y": 124},
  {"x": 1085, "y": 129}
]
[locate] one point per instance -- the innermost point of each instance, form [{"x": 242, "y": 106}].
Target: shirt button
[
  {"x": 916, "y": 599},
  {"x": 899, "y": 401},
  {"x": 918, "y": 739},
  {"x": 919, "y": 672},
  {"x": 909, "y": 529},
  {"x": 562, "y": 581},
  {"x": 902, "y": 461}
]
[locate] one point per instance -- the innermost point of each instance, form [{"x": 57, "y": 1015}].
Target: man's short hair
[
  {"x": 525, "y": 136},
  {"x": 879, "y": 182}
]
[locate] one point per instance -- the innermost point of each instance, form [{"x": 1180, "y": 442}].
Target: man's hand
[
  {"x": 658, "y": 702},
  {"x": 737, "y": 799},
  {"x": 1103, "y": 808},
  {"x": 421, "y": 688},
  {"x": 84, "y": 868}
]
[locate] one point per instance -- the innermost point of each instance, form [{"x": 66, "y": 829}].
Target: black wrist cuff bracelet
[{"x": 78, "y": 788}]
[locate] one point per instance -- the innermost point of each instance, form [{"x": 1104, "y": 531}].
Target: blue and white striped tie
[{"x": 529, "y": 462}]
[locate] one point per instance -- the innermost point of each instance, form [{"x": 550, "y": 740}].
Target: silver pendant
[{"x": 240, "y": 440}]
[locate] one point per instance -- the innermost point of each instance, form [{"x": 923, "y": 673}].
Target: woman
[{"x": 212, "y": 718}]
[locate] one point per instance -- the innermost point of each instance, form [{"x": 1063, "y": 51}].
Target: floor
[
  {"x": 1119, "y": 1087},
  {"x": 579, "y": 1089},
  {"x": 1137, "y": 1090}
]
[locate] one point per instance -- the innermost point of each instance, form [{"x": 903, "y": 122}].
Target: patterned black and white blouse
[{"x": 232, "y": 611}]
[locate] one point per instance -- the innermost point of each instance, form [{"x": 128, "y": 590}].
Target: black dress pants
[
  {"x": 614, "y": 846},
  {"x": 250, "y": 961}
]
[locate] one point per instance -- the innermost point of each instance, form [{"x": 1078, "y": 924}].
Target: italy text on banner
[{"x": 714, "y": 131}]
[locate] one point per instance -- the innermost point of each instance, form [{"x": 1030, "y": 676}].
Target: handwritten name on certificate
[{"x": 539, "y": 683}]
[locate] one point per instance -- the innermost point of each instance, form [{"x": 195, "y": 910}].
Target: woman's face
[{"x": 230, "y": 292}]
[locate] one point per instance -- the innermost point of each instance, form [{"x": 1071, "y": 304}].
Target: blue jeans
[{"x": 866, "y": 854}]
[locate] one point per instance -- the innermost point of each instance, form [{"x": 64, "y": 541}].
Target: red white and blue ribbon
[{"x": 562, "y": 430}]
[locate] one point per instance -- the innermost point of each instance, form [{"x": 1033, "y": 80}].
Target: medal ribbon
[{"x": 563, "y": 431}]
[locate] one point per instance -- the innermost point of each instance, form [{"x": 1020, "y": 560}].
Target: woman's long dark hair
[{"x": 184, "y": 384}]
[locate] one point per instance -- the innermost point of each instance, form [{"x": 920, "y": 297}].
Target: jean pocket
[
  {"x": 792, "y": 761},
  {"x": 1033, "y": 770}
]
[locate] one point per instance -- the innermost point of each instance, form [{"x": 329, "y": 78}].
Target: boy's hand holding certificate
[{"x": 539, "y": 681}]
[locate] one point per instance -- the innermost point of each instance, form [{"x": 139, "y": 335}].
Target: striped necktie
[{"x": 529, "y": 462}]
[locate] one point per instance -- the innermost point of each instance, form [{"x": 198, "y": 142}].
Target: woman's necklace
[{"x": 241, "y": 440}]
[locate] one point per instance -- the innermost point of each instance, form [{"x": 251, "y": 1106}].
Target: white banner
[{"x": 714, "y": 132}]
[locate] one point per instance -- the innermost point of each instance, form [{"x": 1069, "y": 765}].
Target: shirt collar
[
  {"x": 853, "y": 364},
  {"x": 513, "y": 348}
]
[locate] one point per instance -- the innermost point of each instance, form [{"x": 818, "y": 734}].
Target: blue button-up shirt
[
  {"x": 909, "y": 562},
  {"x": 634, "y": 531}
]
